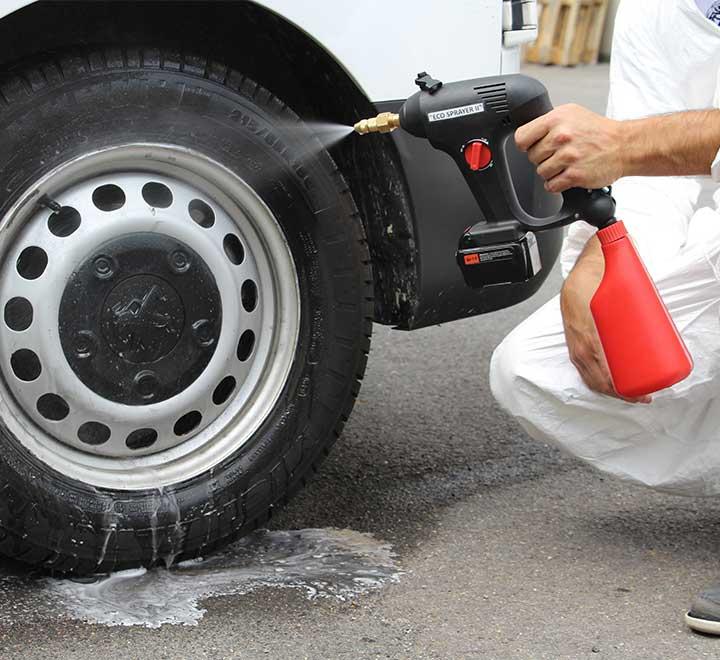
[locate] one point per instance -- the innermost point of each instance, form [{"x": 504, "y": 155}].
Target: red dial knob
[{"x": 477, "y": 155}]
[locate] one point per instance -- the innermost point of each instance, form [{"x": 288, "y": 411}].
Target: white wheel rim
[{"x": 274, "y": 321}]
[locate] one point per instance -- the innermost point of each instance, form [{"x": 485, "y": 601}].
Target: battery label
[
  {"x": 497, "y": 254},
  {"x": 454, "y": 113},
  {"x": 477, "y": 258}
]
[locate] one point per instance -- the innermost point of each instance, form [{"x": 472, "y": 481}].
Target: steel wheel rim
[{"x": 274, "y": 318}]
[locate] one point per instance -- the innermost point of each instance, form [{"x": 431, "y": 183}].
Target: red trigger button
[{"x": 477, "y": 155}]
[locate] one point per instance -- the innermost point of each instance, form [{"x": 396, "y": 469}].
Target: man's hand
[
  {"x": 582, "y": 339},
  {"x": 574, "y": 148}
]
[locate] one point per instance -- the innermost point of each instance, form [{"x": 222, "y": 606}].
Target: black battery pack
[{"x": 498, "y": 253}]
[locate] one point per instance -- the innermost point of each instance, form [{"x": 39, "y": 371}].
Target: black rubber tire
[{"x": 69, "y": 105}]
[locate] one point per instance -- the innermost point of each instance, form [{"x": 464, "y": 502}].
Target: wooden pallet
[{"x": 569, "y": 32}]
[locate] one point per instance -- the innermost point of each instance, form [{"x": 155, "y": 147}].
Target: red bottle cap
[{"x": 614, "y": 232}]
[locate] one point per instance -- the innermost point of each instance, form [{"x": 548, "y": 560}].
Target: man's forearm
[
  {"x": 588, "y": 269},
  {"x": 680, "y": 144}
]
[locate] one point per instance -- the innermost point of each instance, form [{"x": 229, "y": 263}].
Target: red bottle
[{"x": 643, "y": 348}]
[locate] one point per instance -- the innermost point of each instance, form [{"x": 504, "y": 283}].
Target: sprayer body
[
  {"x": 471, "y": 121},
  {"x": 643, "y": 347},
  {"x": 483, "y": 112}
]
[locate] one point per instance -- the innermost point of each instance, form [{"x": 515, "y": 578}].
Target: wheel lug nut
[
  {"x": 85, "y": 344},
  {"x": 104, "y": 267},
  {"x": 203, "y": 332},
  {"x": 179, "y": 261},
  {"x": 146, "y": 384}
]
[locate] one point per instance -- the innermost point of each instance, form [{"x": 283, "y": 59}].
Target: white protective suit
[{"x": 666, "y": 58}]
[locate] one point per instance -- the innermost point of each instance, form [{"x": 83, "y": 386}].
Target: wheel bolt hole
[
  {"x": 85, "y": 344},
  {"x": 64, "y": 222},
  {"x": 234, "y": 249},
  {"x": 249, "y": 295},
  {"x": 223, "y": 391},
  {"x": 53, "y": 407},
  {"x": 32, "y": 262},
  {"x": 188, "y": 423},
  {"x": 93, "y": 433},
  {"x": 245, "y": 345},
  {"x": 104, "y": 266},
  {"x": 26, "y": 365},
  {"x": 157, "y": 195},
  {"x": 141, "y": 438},
  {"x": 18, "y": 314},
  {"x": 146, "y": 384},
  {"x": 108, "y": 197},
  {"x": 201, "y": 213},
  {"x": 204, "y": 332},
  {"x": 180, "y": 262}
]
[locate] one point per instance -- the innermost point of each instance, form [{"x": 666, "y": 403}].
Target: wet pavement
[
  {"x": 335, "y": 564},
  {"x": 500, "y": 547}
]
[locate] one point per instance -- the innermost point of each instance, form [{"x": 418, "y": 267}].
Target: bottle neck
[{"x": 612, "y": 232}]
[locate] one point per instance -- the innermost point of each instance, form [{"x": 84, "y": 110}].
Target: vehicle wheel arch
[{"x": 245, "y": 35}]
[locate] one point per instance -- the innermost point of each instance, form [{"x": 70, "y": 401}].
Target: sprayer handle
[
  {"x": 495, "y": 193},
  {"x": 594, "y": 206}
]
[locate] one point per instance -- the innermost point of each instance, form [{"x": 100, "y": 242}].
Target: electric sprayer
[{"x": 471, "y": 121}]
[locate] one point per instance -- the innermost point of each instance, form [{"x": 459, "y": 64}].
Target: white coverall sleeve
[
  {"x": 665, "y": 58},
  {"x": 644, "y": 81}
]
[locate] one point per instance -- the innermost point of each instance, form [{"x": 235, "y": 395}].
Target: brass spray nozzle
[{"x": 383, "y": 123}]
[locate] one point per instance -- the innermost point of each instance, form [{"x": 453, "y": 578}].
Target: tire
[{"x": 78, "y": 502}]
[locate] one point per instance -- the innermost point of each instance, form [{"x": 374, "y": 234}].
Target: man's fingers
[
  {"x": 551, "y": 167},
  {"x": 526, "y": 136},
  {"x": 640, "y": 399},
  {"x": 541, "y": 151},
  {"x": 604, "y": 369},
  {"x": 593, "y": 375},
  {"x": 597, "y": 378},
  {"x": 601, "y": 383},
  {"x": 560, "y": 183}
]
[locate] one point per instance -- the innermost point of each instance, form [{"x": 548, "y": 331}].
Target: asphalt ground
[{"x": 511, "y": 550}]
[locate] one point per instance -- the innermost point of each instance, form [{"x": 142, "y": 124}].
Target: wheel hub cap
[{"x": 140, "y": 318}]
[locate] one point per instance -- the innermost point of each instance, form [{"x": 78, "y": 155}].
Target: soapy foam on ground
[{"x": 322, "y": 563}]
